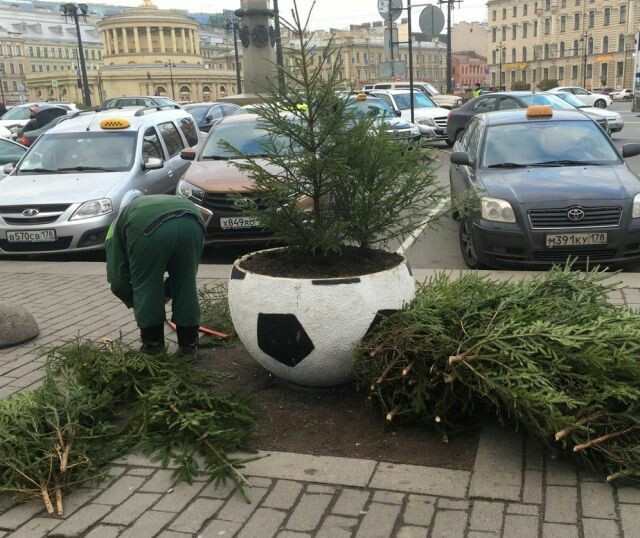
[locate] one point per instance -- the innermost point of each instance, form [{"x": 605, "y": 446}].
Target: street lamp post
[
  {"x": 171, "y": 65},
  {"x": 499, "y": 49},
  {"x": 235, "y": 26},
  {"x": 585, "y": 40},
  {"x": 71, "y": 10}
]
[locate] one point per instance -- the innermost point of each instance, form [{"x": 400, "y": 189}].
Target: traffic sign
[
  {"x": 389, "y": 70},
  {"x": 431, "y": 21},
  {"x": 391, "y": 49},
  {"x": 54, "y": 83},
  {"x": 390, "y": 9}
]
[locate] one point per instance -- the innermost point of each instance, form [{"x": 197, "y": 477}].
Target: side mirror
[
  {"x": 208, "y": 118},
  {"x": 398, "y": 113},
  {"x": 461, "y": 157},
  {"x": 188, "y": 154},
  {"x": 8, "y": 168},
  {"x": 153, "y": 163},
  {"x": 630, "y": 150}
]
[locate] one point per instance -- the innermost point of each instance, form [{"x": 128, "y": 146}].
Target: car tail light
[{"x": 25, "y": 141}]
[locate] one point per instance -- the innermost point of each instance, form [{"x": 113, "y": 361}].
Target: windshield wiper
[
  {"x": 37, "y": 170},
  {"x": 508, "y": 165},
  {"x": 566, "y": 162},
  {"x": 214, "y": 158},
  {"x": 85, "y": 169}
]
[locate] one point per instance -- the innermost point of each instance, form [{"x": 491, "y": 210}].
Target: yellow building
[{"x": 13, "y": 68}]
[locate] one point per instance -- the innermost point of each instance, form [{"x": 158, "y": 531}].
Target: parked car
[
  {"x": 10, "y": 152},
  {"x": 5, "y": 133},
  {"x": 19, "y": 115},
  {"x": 65, "y": 192},
  {"x": 552, "y": 187},
  {"x": 430, "y": 119},
  {"x": 45, "y": 118},
  {"x": 441, "y": 100},
  {"x": 144, "y": 101},
  {"x": 622, "y": 95},
  {"x": 609, "y": 120},
  {"x": 599, "y": 100},
  {"x": 208, "y": 114}
]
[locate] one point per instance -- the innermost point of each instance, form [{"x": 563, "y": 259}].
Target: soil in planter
[
  {"x": 352, "y": 262},
  {"x": 333, "y": 421}
]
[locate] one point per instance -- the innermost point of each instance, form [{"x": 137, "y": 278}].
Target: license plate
[
  {"x": 31, "y": 236},
  {"x": 238, "y": 223},
  {"x": 575, "y": 240}
]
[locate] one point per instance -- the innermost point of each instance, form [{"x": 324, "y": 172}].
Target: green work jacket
[{"x": 141, "y": 217}]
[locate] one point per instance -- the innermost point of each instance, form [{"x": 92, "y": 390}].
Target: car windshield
[
  {"x": 545, "y": 99},
  {"x": 547, "y": 143},
  {"x": 80, "y": 152},
  {"x": 572, "y": 100},
  {"x": 248, "y": 137},
  {"x": 371, "y": 108},
  {"x": 17, "y": 113},
  {"x": 420, "y": 100},
  {"x": 432, "y": 89},
  {"x": 198, "y": 112}
]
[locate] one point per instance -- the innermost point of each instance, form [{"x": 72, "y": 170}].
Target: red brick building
[{"x": 468, "y": 68}]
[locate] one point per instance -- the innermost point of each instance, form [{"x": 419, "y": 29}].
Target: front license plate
[
  {"x": 31, "y": 236},
  {"x": 238, "y": 223},
  {"x": 575, "y": 240}
]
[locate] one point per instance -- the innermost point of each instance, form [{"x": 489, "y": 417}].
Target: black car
[
  {"x": 552, "y": 187},
  {"x": 145, "y": 101},
  {"x": 45, "y": 118},
  {"x": 460, "y": 117},
  {"x": 208, "y": 114}
]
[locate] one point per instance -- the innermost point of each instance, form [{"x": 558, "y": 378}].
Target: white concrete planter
[{"x": 305, "y": 330}]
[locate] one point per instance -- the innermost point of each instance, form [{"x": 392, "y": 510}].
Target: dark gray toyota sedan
[{"x": 552, "y": 186}]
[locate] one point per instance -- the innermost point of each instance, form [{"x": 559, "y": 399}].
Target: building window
[
  {"x": 561, "y": 73},
  {"x": 545, "y": 73},
  {"x": 40, "y": 68},
  {"x": 33, "y": 68},
  {"x": 592, "y": 18},
  {"x": 525, "y": 29},
  {"x": 547, "y": 26},
  {"x": 590, "y": 46},
  {"x": 605, "y": 44},
  {"x": 619, "y": 69},
  {"x": 621, "y": 43},
  {"x": 547, "y": 4},
  {"x": 589, "y": 71},
  {"x": 535, "y": 28},
  {"x": 31, "y": 52},
  {"x": 574, "y": 72},
  {"x": 524, "y": 54},
  {"x": 525, "y": 9},
  {"x": 514, "y": 31},
  {"x": 604, "y": 72},
  {"x": 576, "y": 21},
  {"x": 515, "y": 11},
  {"x": 66, "y": 53},
  {"x": 21, "y": 69},
  {"x": 504, "y": 33},
  {"x": 607, "y": 16},
  {"x": 504, "y": 13},
  {"x": 575, "y": 47},
  {"x": 45, "y": 52},
  {"x": 493, "y": 57},
  {"x": 38, "y": 52},
  {"x": 563, "y": 4},
  {"x": 563, "y": 23},
  {"x": 546, "y": 52},
  {"x": 562, "y": 49},
  {"x": 513, "y": 77},
  {"x": 55, "y": 67},
  {"x": 493, "y": 15},
  {"x": 513, "y": 55},
  {"x": 534, "y": 75},
  {"x": 12, "y": 69},
  {"x": 623, "y": 14}
]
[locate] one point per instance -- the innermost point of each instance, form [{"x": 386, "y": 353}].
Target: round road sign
[
  {"x": 431, "y": 21},
  {"x": 395, "y": 6}
]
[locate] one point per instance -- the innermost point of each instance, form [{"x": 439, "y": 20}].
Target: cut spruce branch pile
[
  {"x": 103, "y": 400},
  {"x": 549, "y": 354}
]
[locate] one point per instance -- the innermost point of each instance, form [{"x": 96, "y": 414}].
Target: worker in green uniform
[{"x": 156, "y": 234}]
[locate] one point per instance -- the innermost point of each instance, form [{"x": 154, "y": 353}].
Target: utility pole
[
  {"x": 410, "y": 60},
  {"x": 171, "y": 65},
  {"x": 71, "y": 10},
  {"x": 450, "y": 6},
  {"x": 585, "y": 40},
  {"x": 279, "y": 58},
  {"x": 499, "y": 50},
  {"x": 234, "y": 26}
]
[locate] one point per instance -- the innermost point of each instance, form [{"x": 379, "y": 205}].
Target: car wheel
[
  {"x": 600, "y": 103},
  {"x": 449, "y": 143},
  {"x": 467, "y": 247}
]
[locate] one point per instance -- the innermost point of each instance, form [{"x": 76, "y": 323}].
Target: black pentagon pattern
[
  {"x": 283, "y": 338},
  {"x": 380, "y": 316}
]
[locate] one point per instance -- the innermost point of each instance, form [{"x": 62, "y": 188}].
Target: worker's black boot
[
  {"x": 152, "y": 339},
  {"x": 187, "y": 340}
]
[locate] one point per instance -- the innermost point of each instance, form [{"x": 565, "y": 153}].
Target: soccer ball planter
[{"x": 305, "y": 330}]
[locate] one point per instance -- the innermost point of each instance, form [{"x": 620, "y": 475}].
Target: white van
[{"x": 440, "y": 99}]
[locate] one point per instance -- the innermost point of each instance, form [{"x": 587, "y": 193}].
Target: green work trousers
[{"x": 174, "y": 247}]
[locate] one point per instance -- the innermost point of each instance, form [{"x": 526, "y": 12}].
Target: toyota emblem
[
  {"x": 31, "y": 212},
  {"x": 575, "y": 214}
]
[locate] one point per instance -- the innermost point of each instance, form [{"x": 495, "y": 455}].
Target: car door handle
[{"x": 170, "y": 173}]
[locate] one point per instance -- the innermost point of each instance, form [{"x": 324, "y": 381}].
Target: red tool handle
[{"x": 204, "y": 330}]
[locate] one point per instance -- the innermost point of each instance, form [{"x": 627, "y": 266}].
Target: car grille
[
  {"x": 558, "y": 218},
  {"x": 221, "y": 202},
  {"x": 592, "y": 255},
  {"x": 62, "y": 243},
  {"x": 441, "y": 121},
  {"x": 47, "y": 213},
  {"x": 603, "y": 123}
]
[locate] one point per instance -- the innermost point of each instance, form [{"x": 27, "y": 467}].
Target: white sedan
[
  {"x": 622, "y": 95},
  {"x": 599, "y": 100}
]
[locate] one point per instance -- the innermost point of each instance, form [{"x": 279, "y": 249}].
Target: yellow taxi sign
[
  {"x": 361, "y": 97},
  {"x": 539, "y": 111},
  {"x": 114, "y": 123}
]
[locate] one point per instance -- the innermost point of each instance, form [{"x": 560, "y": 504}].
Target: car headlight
[
  {"x": 188, "y": 190},
  {"x": 93, "y": 208},
  {"x": 636, "y": 207},
  {"x": 415, "y": 131},
  {"x": 497, "y": 210},
  {"x": 426, "y": 121}
]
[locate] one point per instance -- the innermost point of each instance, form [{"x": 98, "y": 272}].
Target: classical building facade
[
  {"x": 588, "y": 43},
  {"x": 468, "y": 69}
]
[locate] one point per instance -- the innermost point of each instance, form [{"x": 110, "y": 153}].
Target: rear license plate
[
  {"x": 238, "y": 223},
  {"x": 31, "y": 236},
  {"x": 575, "y": 240}
]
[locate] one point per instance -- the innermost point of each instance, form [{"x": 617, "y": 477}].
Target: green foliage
[
  {"x": 547, "y": 84},
  {"x": 215, "y": 314},
  {"x": 520, "y": 85},
  {"x": 327, "y": 178},
  {"x": 101, "y": 401},
  {"x": 549, "y": 353}
]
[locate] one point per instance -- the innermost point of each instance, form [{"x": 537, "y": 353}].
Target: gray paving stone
[
  {"x": 629, "y": 494},
  {"x": 481, "y": 534},
  {"x": 283, "y": 495},
  {"x": 141, "y": 471},
  {"x": 260, "y": 482},
  {"x": 630, "y": 519},
  {"x": 308, "y": 512},
  {"x": 174, "y": 534},
  {"x": 36, "y": 527},
  {"x": 317, "y": 488},
  {"x": 222, "y": 491},
  {"x": 561, "y": 473},
  {"x": 600, "y": 528},
  {"x": 449, "y": 524},
  {"x": 389, "y": 497},
  {"x": 19, "y": 514},
  {"x": 114, "y": 472},
  {"x": 176, "y": 500},
  {"x": 219, "y": 528},
  {"x": 84, "y": 518},
  {"x": 534, "y": 454},
  {"x": 486, "y": 516},
  {"x": 419, "y": 510},
  {"x": 264, "y": 523},
  {"x": 560, "y": 505},
  {"x": 238, "y": 509},
  {"x": 131, "y": 509},
  {"x": 520, "y": 527},
  {"x": 523, "y": 509},
  {"x": 597, "y": 500},
  {"x": 104, "y": 531},
  {"x": 120, "y": 490},
  {"x": 556, "y": 530},
  {"x": 159, "y": 482},
  {"x": 337, "y": 527},
  {"x": 148, "y": 524},
  {"x": 451, "y": 504},
  {"x": 292, "y": 534},
  {"x": 413, "y": 532},
  {"x": 378, "y": 521},
  {"x": 191, "y": 519},
  {"x": 418, "y": 479},
  {"x": 497, "y": 472},
  {"x": 532, "y": 490},
  {"x": 351, "y": 502}
]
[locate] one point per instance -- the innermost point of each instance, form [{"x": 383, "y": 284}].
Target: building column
[
  {"x": 149, "y": 42},
  {"x": 125, "y": 41},
  {"x": 115, "y": 41},
  {"x": 173, "y": 40},
  {"x": 196, "y": 40},
  {"x": 184, "y": 40},
  {"x": 163, "y": 48},
  {"x": 107, "y": 42},
  {"x": 136, "y": 39}
]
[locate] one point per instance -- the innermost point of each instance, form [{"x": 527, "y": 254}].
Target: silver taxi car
[{"x": 68, "y": 188}]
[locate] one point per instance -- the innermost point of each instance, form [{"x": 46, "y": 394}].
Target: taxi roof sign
[
  {"x": 361, "y": 97},
  {"x": 539, "y": 111},
  {"x": 114, "y": 123}
]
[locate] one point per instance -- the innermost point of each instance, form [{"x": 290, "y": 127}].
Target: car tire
[
  {"x": 449, "y": 143},
  {"x": 600, "y": 103},
  {"x": 467, "y": 247}
]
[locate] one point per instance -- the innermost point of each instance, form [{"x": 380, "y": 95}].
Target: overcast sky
[{"x": 330, "y": 13}]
